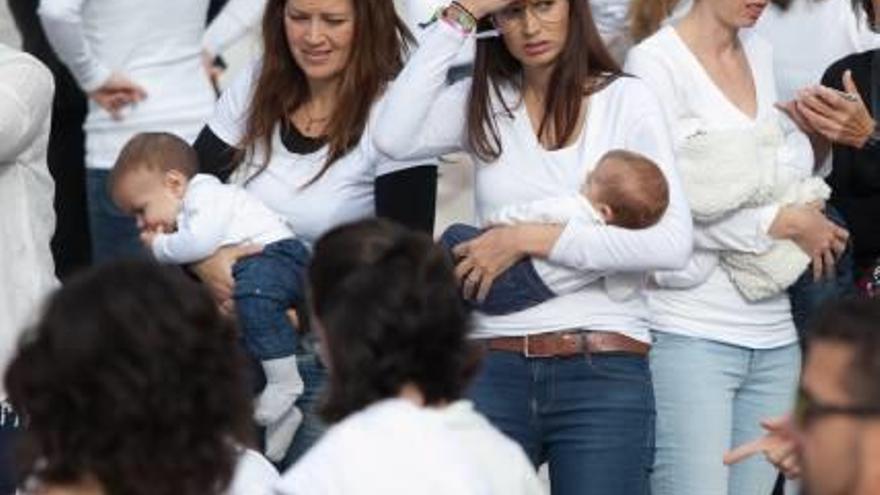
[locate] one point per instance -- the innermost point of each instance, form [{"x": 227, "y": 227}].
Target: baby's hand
[{"x": 148, "y": 236}]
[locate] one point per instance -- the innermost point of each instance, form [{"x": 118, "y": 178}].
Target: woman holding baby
[
  {"x": 296, "y": 131},
  {"x": 567, "y": 379},
  {"x": 725, "y": 352}
]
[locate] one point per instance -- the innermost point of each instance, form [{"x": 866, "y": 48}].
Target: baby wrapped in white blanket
[{"x": 725, "y": 170}]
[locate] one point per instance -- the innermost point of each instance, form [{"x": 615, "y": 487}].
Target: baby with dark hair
[
  {"x": 625, "y": 189},
  {"x": 184, "y": 217}
]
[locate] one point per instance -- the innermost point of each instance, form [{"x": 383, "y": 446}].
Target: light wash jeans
[{"x": 711, "y": 397}]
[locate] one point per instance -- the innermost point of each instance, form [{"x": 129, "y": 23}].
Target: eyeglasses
[
  {"x": 547, "y": 12},
  {"x": 808, "y": 409}
]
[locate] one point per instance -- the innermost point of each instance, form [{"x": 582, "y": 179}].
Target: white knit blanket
[{"x": 723, "y": 171}]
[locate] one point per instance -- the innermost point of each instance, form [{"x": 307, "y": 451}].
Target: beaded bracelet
[{"x": 461, "y": 7}]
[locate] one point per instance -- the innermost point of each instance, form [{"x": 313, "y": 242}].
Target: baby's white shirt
[
  {"x": 558, "y": 278},
  {"x": 214, "y": 215}
]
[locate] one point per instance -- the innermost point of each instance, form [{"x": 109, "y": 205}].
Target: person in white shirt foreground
[
  {"x": 28, "y": 220},
  {"x": 184, "y": 217},
  {"x": 393, "y": 334},
  {"x": 625, "y": 189},
  {"x": 133, "y": 383}
]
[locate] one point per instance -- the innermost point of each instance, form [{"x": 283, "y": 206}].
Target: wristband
[
  {"x": 459, "y": 6},
  {"x": 459, "y": 17}
]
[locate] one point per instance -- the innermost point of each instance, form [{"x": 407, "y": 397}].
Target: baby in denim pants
[
  {"x": 625, "y": 189},
  {"x": 185, "y": 217}
]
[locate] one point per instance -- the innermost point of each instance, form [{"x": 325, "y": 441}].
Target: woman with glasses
[
  {"x": 567, "y": 379},
  {"x": 722, "y": 361}
]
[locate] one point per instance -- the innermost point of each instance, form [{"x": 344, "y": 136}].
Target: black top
[
  {"x": 406, "y": 196},
  {"x": 855, "y": 178}
]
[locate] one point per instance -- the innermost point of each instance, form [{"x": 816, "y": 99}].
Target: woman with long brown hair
[
  {"x": 568, "y": 379},
  {"x": 295, "y": 131}
]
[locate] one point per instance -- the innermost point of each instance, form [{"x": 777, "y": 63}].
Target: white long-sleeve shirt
[
  {"x": 423, "y": 118},
  {"x": 810, "y": 36},
  {"x": 234, "y": 21},
  {"x": 715, "y": 310},
  {"x": 558, "y": 278},
  {"x": 394, "y": 447},
  {"x": 216, "y": 215},
  {"x": 157, "y": 44},
  {"x": 27, "y": 220}
]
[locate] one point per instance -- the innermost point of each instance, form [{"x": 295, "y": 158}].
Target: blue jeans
[
  {"x": 10, "y": 428},
  {"x": 591, "y": 417},
  {"x": 808, "y": 295},
  {"x": 518, "y": 288},
  {"x": 267, "y": 285},
  {"x": 711, "y": 397},
  {"x": 114, "y": 234}
]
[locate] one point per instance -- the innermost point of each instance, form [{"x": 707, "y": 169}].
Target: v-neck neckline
[
  {"x": 695, "y": 61},
  {"x": 521, "y": 113}
]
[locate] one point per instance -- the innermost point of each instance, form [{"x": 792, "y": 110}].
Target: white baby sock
[
  {"x": 283, "y": 386},
  {"x": 279, "y": 434}
]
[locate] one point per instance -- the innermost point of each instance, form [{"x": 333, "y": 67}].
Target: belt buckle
[{"x": 529, "y": 354}]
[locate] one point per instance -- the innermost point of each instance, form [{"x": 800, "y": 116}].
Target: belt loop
[{"x": 585, "y": 348}]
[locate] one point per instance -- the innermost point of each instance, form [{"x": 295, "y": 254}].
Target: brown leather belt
[{"x": 568, "y": 343}]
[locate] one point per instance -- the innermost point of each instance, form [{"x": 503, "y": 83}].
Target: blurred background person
[
  {"x": 143, "y": 70},
  {"x": 71, "y": 245},
  {"x": 27, "y": 219},
  {"x": 808, "y": 35},
  {"x": 841, "y": 113}
]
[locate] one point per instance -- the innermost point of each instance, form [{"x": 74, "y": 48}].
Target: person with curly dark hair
[
  {"x": 132, "y": 383},
  {"x": 393, "y": 332}
]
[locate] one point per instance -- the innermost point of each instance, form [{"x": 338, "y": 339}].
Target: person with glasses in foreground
[{"x": 832, "y": 439}]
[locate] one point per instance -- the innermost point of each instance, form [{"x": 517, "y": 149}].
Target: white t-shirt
[
  {"x": 254, "y": 475},
  {"x": 810, "y": 36},
  {"x": 214, "y": 215},
  {"x": 157, "y": 44},
  {"x": 395, "y": 447},
  {"x": 344, "y": 194},
  {"x": 423, "y": 117},
  {"x": 715, "y": 310}
]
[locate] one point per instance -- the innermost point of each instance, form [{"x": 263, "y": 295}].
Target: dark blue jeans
[
  {"x": 267, "y": 285},
  {"x": 518, "y": 288},
  {"x": 808, "y": 295},
  {"x": 114, "y": 234},
  {"x": 591, "y": 417},
  {"x": 10, "y": 427}
]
